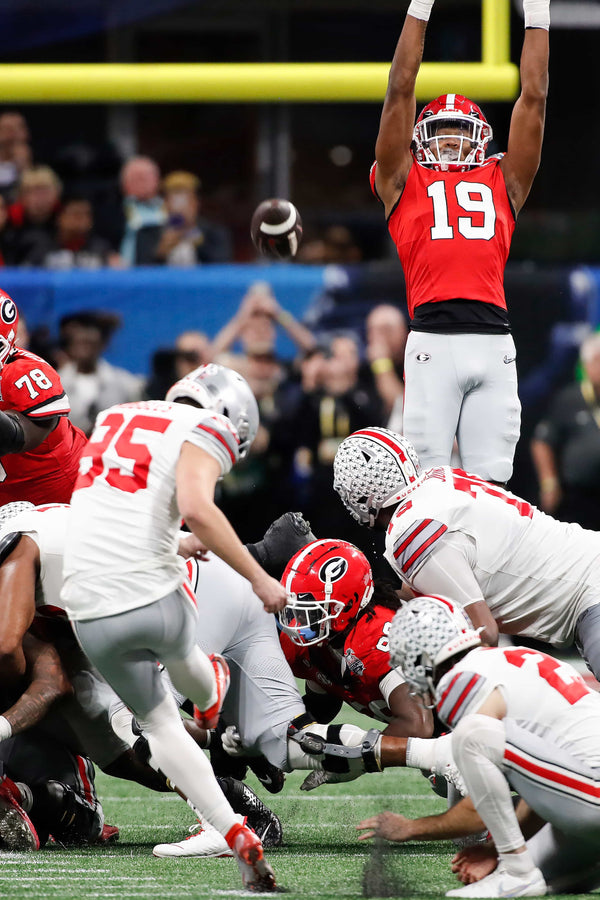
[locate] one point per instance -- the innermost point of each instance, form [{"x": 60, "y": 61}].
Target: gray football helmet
[
  {"x": 370, "y": 469},
  {"x": 424, "y": 633},
  {"x": 223, "y": 391}
]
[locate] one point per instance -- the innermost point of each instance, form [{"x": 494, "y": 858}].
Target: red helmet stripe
[{"x": 384, "y": 439}]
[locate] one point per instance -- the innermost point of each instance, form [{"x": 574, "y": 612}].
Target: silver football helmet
[
  {"x": 370, "y": 469},
  {"x": 424, "y": 633},
  {"x": 223, "y": 391}
]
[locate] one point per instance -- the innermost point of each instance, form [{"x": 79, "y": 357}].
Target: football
[{"x": 276, "y": 228}]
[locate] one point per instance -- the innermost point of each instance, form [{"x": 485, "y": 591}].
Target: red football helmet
[
  {"x": 328, "y": 583},
  {"x": 451, "y": 115},
  {"x": 9, "y": 322}
]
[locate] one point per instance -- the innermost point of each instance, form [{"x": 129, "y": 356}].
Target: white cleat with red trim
[{"x": 500, "y": 884}]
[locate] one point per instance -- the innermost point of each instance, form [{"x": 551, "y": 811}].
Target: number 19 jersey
[
  {"x": 452, "y": 231},
  {"x": 122, "y": 539}
]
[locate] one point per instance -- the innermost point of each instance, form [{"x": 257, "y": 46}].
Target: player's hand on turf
[
  {"x": 270, "y": 591},
  {"x": 388, "y": 825},
  {"x": 474, "y": 863}
]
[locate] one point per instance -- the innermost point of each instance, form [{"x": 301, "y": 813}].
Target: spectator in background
[
  {"x": 192, "y": 349},
  {"x": 337, "y": 246},
  {"x": 186, "y": 238},
  {"x": 566, "y": 446},
  {"x": 74, "y": 244},
  {"x": 143, "y": 206},
  {"x": 386, "y": 333},
  {"x": 7, "y": 236},
  {"x": 335, "y": 404},
  {"x": 15, "y": 152},
  {"x": 91, "y": 382},
  {"x": 33, "y": 216},
  {"x": 254, "y": 325}
]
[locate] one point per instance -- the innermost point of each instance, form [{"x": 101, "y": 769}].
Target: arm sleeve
[{"x": 447, "y": 571}]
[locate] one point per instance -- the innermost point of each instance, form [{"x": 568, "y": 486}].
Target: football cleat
[
  {"x": 259, "y": 817},
  {"x": 209, "y": 718},
  {"x": 17, "y": 831},
  {"x": 108, "y": 835},
  {"x": 204, "y": 840},
  {"x": 257, "y": 874},
  {"x": 500, "y": 884},
  {"x": 271, "y": 777}
]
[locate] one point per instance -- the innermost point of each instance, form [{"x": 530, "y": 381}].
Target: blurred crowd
[{"x": 151, "y": 218}]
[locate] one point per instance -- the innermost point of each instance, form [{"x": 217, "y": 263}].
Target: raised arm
[
  {"x": 392, "y": 150},
  {"x": 525, "y": 137}
]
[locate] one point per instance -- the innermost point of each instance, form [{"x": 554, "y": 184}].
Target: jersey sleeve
[
  {"x": 410, "y": 541},
  {"x": 217, "y": 436},
  {"x": 32, "y": 387},
  {"x": 460, "y": 693}
]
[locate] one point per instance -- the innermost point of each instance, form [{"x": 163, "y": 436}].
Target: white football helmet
[
  {"x": 424, "y": 633},
  {"x": 370, "y": 468},
  {"x": 223, "y": 391}
]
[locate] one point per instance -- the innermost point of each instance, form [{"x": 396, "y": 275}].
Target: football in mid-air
[{"x": 276, "y": 228}]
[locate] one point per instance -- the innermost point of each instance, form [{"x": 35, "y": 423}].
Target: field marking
[{"x": 337, "y": 798}]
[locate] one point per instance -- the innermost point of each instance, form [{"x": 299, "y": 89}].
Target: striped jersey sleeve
[
  {"x": 460, "y": 693},
  {"x": 31, "y": 386},
  {"x": 411, "y": 548},
  {"x": 216, "y": 434}
]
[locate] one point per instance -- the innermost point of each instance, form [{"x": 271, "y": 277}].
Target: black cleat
[{"x": 260, "y": 818}]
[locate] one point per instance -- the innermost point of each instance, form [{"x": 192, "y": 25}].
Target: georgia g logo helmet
[
  {"x": 328, "y": 583},
  {"x": 9, "y": 322}
]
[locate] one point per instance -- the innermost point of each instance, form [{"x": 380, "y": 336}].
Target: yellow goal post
[{"x": 494, "y": 77}]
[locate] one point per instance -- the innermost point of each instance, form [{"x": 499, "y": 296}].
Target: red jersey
[
  {"x": 358, "y": 671},
  {"x": 452, "y": 231},
  {"x": 47, "y": 473}
]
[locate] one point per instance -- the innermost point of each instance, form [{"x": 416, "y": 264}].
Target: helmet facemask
[
  {"x": 328, "y": 583},
  {"x": 462, "y": 121}
]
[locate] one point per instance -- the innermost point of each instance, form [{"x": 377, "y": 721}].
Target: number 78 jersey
[
  {"x": 452, "y": 231},
  {"x": 536, "y": 574}
]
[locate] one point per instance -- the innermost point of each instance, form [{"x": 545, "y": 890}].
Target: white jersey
[
  {"x": 537, "y": 575},
  {"x": 124, "y": 518},
  {"x": 542, "y": 695},
  {"x": 47, "y": 526}
]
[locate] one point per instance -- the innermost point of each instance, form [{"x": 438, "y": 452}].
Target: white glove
[
  {"x": 5, "y": 729},
  {"x": 232, "y": 742},
  {"x": 435, "y": 755},
  {"x": 445, "y": 766}
]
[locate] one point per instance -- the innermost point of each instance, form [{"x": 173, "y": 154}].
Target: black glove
[
  {"x": 12, "y": 436},
  {"x": 287, "y": 534}
]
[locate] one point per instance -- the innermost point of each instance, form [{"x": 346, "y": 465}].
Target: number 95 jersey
[{"x": 122, "y": 540}]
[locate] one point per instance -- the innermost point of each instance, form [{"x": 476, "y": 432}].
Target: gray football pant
[{"x": 463, "y": 386}]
